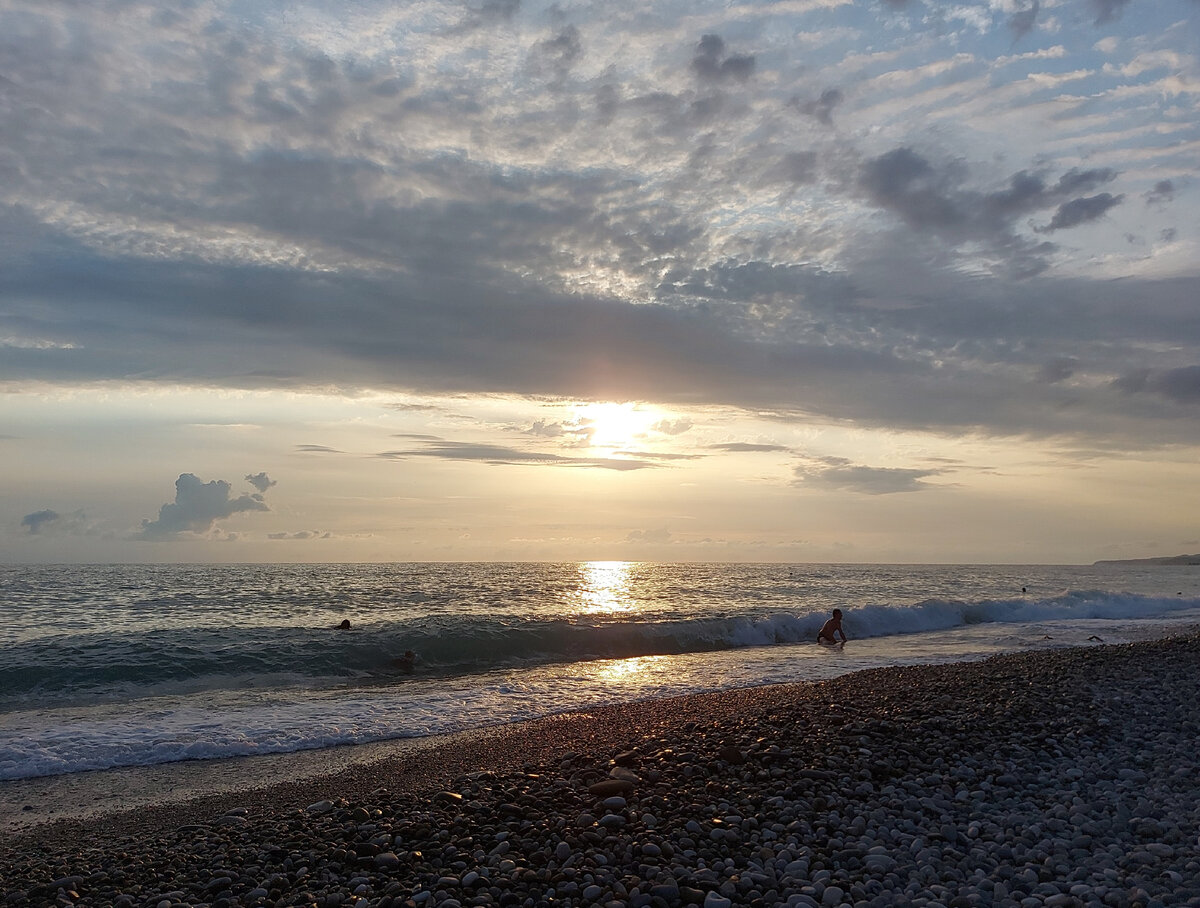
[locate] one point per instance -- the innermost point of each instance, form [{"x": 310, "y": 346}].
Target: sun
[{"x": 615, "y": 426}]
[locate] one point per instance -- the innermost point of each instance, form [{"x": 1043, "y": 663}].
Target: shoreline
[{"x": 1028, "y": 764}]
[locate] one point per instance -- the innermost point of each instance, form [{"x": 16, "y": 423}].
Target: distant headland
[{"x": 1168, "y": 559}]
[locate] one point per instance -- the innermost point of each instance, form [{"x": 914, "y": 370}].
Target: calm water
[{"x": 122, "y": 665}]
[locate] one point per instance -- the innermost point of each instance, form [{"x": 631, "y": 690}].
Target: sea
[{"x": 106, "y": 666}]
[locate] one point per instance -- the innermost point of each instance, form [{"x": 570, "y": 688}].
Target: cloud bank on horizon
[{"x": 973, "y": 217}]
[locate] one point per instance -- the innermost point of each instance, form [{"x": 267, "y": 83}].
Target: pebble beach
[{"x": 1065, "y": 777}]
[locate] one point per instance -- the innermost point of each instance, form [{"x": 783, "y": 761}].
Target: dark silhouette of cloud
[
  {"x": 743, "y": 447},
  {"x": 822, "y": 108},
  {"x": 711, "y": 65},
  {"x": 1107, "y": 10},
  {"x": 1163, "y": 192},
  {"x": 1080, "y": 211},
  {"x": 1023, "y": 21},
  {"x": 49, "y": 522},
  {"x": 35, "y": 521},
  {"x": 197, "y": 507},
  {"x": 1181, "y": 385},
  {"x": 501, "y": 455},
  {"x": 261, "y": 481},
  {"x": 1057, "y": 370},
  {"x": 839, "y": 473},
  {"x": 558, "y": 54}
]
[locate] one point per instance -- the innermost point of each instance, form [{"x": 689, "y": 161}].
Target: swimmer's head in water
[{"x": 345, "y": 625}]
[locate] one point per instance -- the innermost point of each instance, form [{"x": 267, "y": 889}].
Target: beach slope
[{"x": 1058, "y": 777}]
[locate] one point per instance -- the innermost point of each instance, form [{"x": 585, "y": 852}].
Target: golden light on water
[
  {"x": 604, "y": 587},
  {"x": 627, "y": 671}
]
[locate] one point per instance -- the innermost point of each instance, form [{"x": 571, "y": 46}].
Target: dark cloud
[
  {"x": 1057, "y": 370},
  {"x": 1181, "y": 385},
  {"x": 1163, "y": 192},
  {"x": 935, "y": 200},
  {"x": 488, "y": 13},
  {"x": 558, "y": 54},
  {"x": 500, "y": 455},
  {"x": 794, "y": 168},
  {"x": 1107, "y": 10},
  {"x": 839, "y": 473},
  {"x": 35, "y": 521},
  {"x": 822, "y": 107},
  {"x": 1080, "y": 211},
  {"x": 742, "y": 447},
  {"x": 49, "y": 522},
  {"x": 1023, "y": 21},
  {"x": 197, "y": 507},
  {"x": 317, "y": 449},
  {"x": 261, "y": 481},
  {"x": 711, "y": 64}
]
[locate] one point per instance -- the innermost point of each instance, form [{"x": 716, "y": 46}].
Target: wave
[{"x": 66, "y": 669}]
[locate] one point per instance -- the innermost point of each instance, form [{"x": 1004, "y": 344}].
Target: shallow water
[{"x": 104, "y": 666}]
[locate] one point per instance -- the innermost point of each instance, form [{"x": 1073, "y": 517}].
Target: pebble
[{"x": 1018, "y": 780}]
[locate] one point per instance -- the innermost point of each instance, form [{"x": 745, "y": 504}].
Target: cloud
[
  {"x": 301, "y": 535},
  {"x": 743, "y": 447},
  {"x": 49, "y": 522},
  {"x": 1057, "y": 370},
  {"x": 822, "y": 107},
  {"x": 1023, "y": 21},
  {"x": 673, "y": 426},
  {"x": 500, "y": 455},
  {"x": 1107, "y": 10},
  {"x": 558, "y": 54},
  {"x": 38, "y": 519},
  {"x": 240, "y": 214},
  {"x": 318, "y": 449},
  {"x": 261, "y": 481},
  {"x": 659, "y": 535},
  {"x": 711, "y": 66},
  {"x": 1080, "y": 211},
  {"x": 839, "y": 473},
  {"x": 1163, "y": 192},
  {"x": 543, "y": 429},
  {"x": 932, "y": 199},
  {"x": 1181, "y": 385},
  {"x": 197, "y": 507}
]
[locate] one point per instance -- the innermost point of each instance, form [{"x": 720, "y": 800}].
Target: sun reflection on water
[
  {"x": 604, "y": 587},
  {"x": 629, "y": 671}
]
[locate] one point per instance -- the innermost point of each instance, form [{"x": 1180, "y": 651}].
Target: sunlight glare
[
  {"x": 604, "y": 587},
  {"x": 615, "y": 425},
  {"x": 629, "y": 671}
]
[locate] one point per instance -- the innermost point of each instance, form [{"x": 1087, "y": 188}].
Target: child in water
[{"x": 831, "y": 627}]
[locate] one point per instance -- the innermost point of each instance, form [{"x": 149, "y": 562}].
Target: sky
[{"x": 673, "y": 280}]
